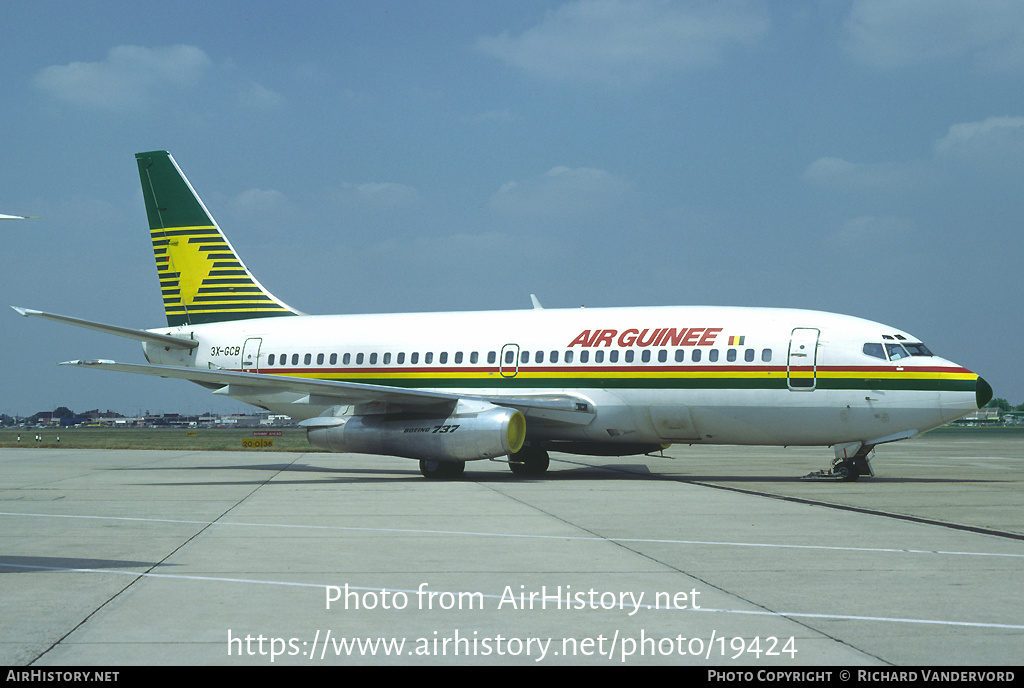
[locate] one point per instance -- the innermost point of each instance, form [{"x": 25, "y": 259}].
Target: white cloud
[
  {"x": 562, "y": 192},
  {"x": 618, "y": 42},
  {"x": 129, "y": 77},
  {"x": 885, "y": 34},
  {"x": 259, "y": 97},
  {"x": 377, "y": 194},
  {"x": 257, "y": 201},
  {"x": 993, "y": 146},
  {"x": 836, "y": 172},
  {"x": 995, "y": 137}
]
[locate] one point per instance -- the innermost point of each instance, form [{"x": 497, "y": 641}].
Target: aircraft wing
[{"x": 565, "y": 408}]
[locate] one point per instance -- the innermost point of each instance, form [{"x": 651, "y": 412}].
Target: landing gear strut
[{"x": 852, "y": 461}]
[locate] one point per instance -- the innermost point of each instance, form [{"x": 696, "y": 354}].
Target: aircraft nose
[{"x": 982, "y": 392}]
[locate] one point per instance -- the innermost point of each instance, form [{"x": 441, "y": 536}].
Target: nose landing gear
[{"x": 852, "y": 461}]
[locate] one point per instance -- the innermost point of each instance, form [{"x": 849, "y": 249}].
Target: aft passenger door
[{"x": 802, "y": 363}]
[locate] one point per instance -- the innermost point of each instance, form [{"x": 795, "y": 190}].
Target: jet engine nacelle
[{"x": 486, "y": 434}]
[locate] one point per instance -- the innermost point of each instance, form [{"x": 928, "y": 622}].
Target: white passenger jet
[{"x": 447, "y": 388}]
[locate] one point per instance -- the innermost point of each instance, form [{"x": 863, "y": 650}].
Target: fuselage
[{"x": 656, "y": 375}]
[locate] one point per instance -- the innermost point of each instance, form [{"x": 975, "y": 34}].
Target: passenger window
[
  {"x": 359, "y": 359},
  {"x": 458, "y": 357},
  {"x": 428, "y": 358},
  {"x": 442, "y": 357},
  {"x": 695, "y": 356},
  {"x": 319, "y": 359},
  {"x": 874, "y": 350},
  {"x": 510, "y": 357},
  {"x": 553, "y": 357},
  {"x": 492, "y": 357},
  {"x": 645, "y": 356},
  {"x": 270, "y": 359},
  {"x": 538, "y": 357},
  {"x": 334, "y": 359},
  {"x": 346, "y": 359},
  {"x": 680, "y": 355},
  {"x": 748, "y": 355},
  {"x": 713, "y": 355},
  {"x": 307, "y": 359},
  {"x": 599, "y": 356},
  {"x": 613, "y": 356},
  {"x": 630, "y": 354},
  {"x": 400, "y": 358},
  {"x": 766, "y": 355},
  {"x": 373, "y": 359},
  {"x": 662, "y": 356},
  {"x": 524, "y": 357},
  {"x": 295, "y": 359},
  {"x": 387, "y": 359},
  {"x": 584, "y": 356},
  {"x": 568, "y": 357},
  {"x": 414, "y": 358},
  {"x": 730, "y": 355}
]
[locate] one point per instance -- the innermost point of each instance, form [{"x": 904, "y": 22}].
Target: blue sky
[{"x": 859, "y": 156}]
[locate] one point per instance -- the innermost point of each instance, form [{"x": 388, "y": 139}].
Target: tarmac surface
[{"x": 719, "y": 556}]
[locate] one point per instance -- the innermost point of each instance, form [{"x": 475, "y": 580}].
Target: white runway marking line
[
  {"x": 470, "y": 533},
  {"x": 749, "y": 612}
]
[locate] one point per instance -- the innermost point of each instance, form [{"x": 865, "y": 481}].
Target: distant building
[{"x": 985, "y": 416}]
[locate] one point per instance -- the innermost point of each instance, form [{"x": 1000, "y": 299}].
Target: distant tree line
[
  {"x": 1004, "y": 405},
  {"x": 59, "y": 412}
]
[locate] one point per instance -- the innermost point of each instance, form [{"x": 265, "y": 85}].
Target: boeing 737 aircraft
[{"x": 447, "y": 388}]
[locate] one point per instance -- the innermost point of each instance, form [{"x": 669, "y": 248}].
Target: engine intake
[{"x": 495, "y": 431}]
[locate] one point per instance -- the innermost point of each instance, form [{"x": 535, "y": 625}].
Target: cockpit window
[
  {"x": 874, "y": 350},
  {"x": 896, "y": 351},
  {"x": 918, "y": 349}
]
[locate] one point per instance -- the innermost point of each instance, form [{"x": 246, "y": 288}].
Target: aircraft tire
[
  {"x": 441, "y": 470},
  {"x": 848, "y": 470},
  {"x": 529, "y": 461}
]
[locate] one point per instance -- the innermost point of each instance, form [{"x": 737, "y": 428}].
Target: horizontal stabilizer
[{"x": 127, "y": 332}]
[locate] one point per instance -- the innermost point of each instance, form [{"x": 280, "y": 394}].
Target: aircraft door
[
  {"x": 508, "y": 363},
  {"x": 802, "y": 363},
  {"x": 251, "y": 355}
]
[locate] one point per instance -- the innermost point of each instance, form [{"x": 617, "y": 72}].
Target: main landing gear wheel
[
  {"x": 442, "y": 470},
  {"x": 529, "y": 461}
]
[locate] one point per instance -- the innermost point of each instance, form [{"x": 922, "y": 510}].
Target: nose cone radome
[{"x": 983, "y": 392}]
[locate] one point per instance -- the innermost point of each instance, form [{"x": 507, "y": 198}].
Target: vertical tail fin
[{"x": 202, "y": 278}]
